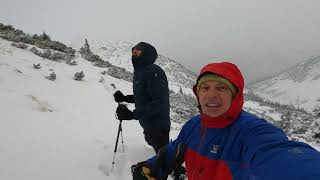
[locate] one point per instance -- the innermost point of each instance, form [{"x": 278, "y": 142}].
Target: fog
[{"x": 262, "y": 37}]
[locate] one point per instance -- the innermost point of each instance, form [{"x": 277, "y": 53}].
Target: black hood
[{"x": 148, "y": 56}]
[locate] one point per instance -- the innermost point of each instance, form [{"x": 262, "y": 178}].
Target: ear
[{"x": 195, "y": 89}]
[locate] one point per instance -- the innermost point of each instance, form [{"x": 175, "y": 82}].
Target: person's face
[
  {"x": 136, "y": 52},
  {"x": 215, "y": 98}
]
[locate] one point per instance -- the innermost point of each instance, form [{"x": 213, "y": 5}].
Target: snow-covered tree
[
  {"x": 45, "y": 37},
  {"x": 286, "y": 121},
  {"x": 85, "y": 50}
]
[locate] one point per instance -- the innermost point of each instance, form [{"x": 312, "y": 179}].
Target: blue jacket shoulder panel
[
  {"x": 270, "y": 155},
  {"x": 254, "y": 134}
]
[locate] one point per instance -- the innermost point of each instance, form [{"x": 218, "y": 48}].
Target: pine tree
[
  {"x": 45, "y": 36},
  {"x": 86, "y": 44},
  {"x": 85, "y": 50},
  {"x": 286, "y": 121}
]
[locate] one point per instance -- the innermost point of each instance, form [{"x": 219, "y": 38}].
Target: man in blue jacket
[
  {"x": 150, "y": 96},
  {"x": 224, "y": 142}
]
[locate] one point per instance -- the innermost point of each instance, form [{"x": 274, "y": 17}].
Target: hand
[
  {"x": 119, "y": 97},
  {"x": 141, "y": 171},
  {"x": 124, "y": 113}
]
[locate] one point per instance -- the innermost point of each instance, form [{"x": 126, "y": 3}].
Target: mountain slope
[{"x": 298, "y": 86}]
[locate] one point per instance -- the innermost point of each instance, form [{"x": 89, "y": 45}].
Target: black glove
[
  {"x": 124, "y": 113},
  {"x": 141, "y": 171},
  {"x": 119, "y": 97}
]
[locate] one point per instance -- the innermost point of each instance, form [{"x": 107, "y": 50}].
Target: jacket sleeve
[{"x": 270, "y": 155}]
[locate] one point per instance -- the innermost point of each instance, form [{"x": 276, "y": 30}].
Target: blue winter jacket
[
  {"x": 248, "y": 149},
  {"x": 151, "y": 92}
]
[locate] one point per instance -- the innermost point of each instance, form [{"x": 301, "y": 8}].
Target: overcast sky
[{"x": 261, "y": 36}]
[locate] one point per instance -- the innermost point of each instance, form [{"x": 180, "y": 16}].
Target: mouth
[{"x": 213, "y": 105}]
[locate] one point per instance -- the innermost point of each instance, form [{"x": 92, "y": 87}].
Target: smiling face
[{"x": 215, "y": 98}]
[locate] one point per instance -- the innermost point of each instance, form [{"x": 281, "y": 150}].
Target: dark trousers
[{"x": 156, "y": 138}]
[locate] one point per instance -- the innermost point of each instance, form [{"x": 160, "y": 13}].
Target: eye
[
  {"x": 221, "y": 87},
  {"x": 204, "y": 87}
]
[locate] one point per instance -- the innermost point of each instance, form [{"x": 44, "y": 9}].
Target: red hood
[{"x": 233, "y": 74}]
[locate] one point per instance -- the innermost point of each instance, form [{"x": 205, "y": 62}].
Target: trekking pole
[
  {"x": 116, "y": 145},
  {"x": 121, "y": 136},
  {"x": 121, "y": 133}
]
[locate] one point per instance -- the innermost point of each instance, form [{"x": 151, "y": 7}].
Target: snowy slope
[
  {"x": 298, "y": 86},
  {"x": 62, "y": 129}
]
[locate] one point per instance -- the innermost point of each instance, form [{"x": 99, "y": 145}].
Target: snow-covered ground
[{"x": 62, "y": 129}]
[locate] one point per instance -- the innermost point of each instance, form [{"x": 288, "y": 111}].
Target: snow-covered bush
[
  {"x": 104, "y": 72},
  {"x": 52, "y": 76},
  {"x": 113, "y": 86},
  {"x": 22, "y": 46},
  {"x": 120, "y": 73},
  {"x": 47, "y": 54},
  {"x": 78, "y": 76},
  {"x": 37, "y": 66},
  {"x": 57, "y": 56},
  {"x": 14, "y": 44},
  {"x": 101, "y": 80},
  {"x": 102, "y": 64},
  {"x": 19, "y": 45},
  {"x": 71, "y": 62}
]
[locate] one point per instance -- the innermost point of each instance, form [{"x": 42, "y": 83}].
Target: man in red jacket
[{"x": 224, "y": 142}]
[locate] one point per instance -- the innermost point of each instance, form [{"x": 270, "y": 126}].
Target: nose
[
  {"x": 212, "y": 92},
  {"x": 134, "y": 53}
]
